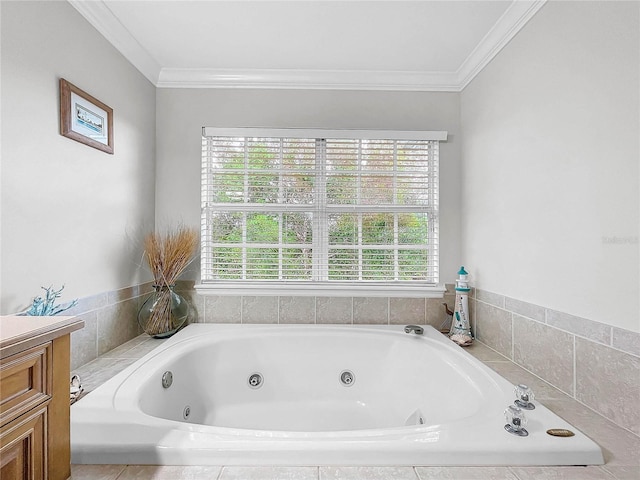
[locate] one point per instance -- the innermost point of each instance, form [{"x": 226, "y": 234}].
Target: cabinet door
[
  {"x": 26, "y": 381},
  {"x": 22, "y": 447}
]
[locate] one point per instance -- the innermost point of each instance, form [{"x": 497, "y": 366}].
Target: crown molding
[
  {"x": 102, "y": 18},
  {"x": 507, "y": 26},
  {"x": 98, "y": 14},
  {"x": 307, "y": 79}
]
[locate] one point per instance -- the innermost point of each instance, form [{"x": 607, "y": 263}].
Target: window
[{"x": 319, "y": 208}]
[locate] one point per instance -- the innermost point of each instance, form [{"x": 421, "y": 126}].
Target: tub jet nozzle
[{"x": 167, "y": 379}]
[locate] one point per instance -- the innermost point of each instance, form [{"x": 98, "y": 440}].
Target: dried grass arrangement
[{"x": 167, "y": 255}]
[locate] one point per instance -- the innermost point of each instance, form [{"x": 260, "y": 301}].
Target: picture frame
[{"x": 84, "y": 118}]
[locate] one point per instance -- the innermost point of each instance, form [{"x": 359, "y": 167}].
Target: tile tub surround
[
  {"x": 620, "y": 447},
  {"x": 594, "y": 363},
  {"x": 320, "y": 309},
  {"x": 110, "y": 320}
]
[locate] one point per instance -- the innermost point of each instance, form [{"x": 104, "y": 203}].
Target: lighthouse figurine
[{"x": 460, "y": 331}]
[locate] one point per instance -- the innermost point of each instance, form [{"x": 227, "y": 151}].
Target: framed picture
[{"x": 85, "y": 119}]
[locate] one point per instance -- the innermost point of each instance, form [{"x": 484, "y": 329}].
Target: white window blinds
[{"x": 298, "y": 208}]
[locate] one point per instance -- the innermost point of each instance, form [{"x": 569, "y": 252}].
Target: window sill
[{"x": 321, "y": 290}]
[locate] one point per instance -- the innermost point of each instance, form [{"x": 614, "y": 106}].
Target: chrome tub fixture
[
  {"x": 516, "y": 421},
  {"x": 75, "y": 389},
  {"x": 524, "y": 397},
  {"x": 417, "y": 329}
]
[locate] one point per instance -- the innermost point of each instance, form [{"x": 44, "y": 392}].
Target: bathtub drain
[
  {"x": 255, "y": 380},
  {"x": 186, "y": 412},
  {"x": 347, "y": 378}
]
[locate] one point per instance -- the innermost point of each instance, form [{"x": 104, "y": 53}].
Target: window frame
[{"x": 315, "y": 287}]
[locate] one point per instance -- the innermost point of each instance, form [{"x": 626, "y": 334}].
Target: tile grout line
[
  {"x": 219, "y": 477},
  {"x": 388, "y": 311},
  {"x": 611, "y": 337},
  {"x": 353, "y": 311},
  {"x": 119, "y": 475},
  {"x": 513, "y": 338},
  {"x": 204, "y": 311},
  {"x": 512, "y": 472},
  {"x": 575, "y": 369}
]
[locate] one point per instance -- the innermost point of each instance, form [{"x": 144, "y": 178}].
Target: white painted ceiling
[{"x": 394, "y": 44}]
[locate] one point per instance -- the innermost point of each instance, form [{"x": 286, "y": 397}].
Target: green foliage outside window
[{"x": 277, "y": 243}]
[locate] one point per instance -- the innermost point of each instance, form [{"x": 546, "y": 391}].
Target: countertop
[{"x": 18, "y": 333}]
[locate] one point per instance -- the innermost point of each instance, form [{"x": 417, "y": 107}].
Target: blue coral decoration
[{"x": 46, "y": 306}]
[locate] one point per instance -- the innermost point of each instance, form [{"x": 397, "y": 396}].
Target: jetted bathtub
[{"x": 313, "y": 395}]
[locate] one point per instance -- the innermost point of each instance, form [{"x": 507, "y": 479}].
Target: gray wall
[
  {"x": 550, "y": 170},
  {"x": 70, "y": 214},
  {"x": 182, "y": 112}
]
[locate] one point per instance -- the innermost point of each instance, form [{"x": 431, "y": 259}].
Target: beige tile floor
[{"x": 620, "y": 447}]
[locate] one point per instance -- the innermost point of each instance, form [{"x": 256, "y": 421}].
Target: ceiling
[{"x": 351, "y": 44}]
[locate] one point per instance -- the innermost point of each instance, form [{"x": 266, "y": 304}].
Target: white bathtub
[{"x": 406, "y": 400}]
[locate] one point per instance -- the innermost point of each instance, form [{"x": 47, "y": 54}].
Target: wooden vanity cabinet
[{"x": 34, "y": 397}]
